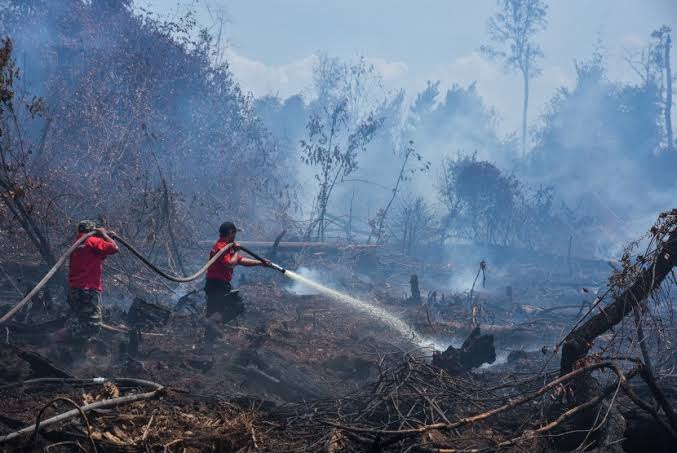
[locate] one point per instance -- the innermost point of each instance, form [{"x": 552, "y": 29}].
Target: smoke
[
  {"x": 298, "y": 288},
  {"x": 598, "y": 143},
  {"x": 463, "y": 280}
]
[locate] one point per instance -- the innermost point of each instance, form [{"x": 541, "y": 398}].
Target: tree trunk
[
  {"x": 525, "y": 75},
  {"x": 415, "y": 291},
  {"x": 35, "y": 235},
  {"x": 172, "y": 238},
  {"x": 578, "y": 343},
  {"x": 349, "y": 227},
  {"x": 320, "y": 232},
  {"x": 322, "y": 205},
  {"x": 668, "y": 93},
  {"x": 571, "y": 240}
]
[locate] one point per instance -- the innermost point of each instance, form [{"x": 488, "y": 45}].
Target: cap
[
  {"x": 227, "y": 227},
  {"x": 86, "y": 225}
]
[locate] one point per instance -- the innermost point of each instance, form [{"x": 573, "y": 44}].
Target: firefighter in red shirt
[
  {"x": 222, "y": 302},
  {"x": 84, "y": 280}
]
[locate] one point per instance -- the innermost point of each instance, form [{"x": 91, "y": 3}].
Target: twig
[
  {"x": 65, "y": 443},
  {"x": 11, "y": 280},
  {"x": 529, "y": 435},
  {"x": 78, "y": 410},
  {"x": 484, "y": 415},
  {"x": 114, "y": 402},
  {"x": 147, "y": 428},
  {"x": 165, "y": 447},
  {"x": 253, "y": 433}
]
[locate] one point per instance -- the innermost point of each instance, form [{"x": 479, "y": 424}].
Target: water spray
[{"x": 389, "y": 319}]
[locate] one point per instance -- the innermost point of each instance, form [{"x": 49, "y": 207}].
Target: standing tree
[
  {"x": 20, "y": 191},
  {"x": 413, "y": 224},
  {"x": 479, "y": 199},
  {"x": 512, "y": 30},
  {"x": 339, "y": 127},
  {"x": 378, "y": 223},
  {"x": 652, "y": 65},
  {"x": 660, "y": 57}
]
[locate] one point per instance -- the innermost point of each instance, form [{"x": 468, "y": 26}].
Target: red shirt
[
  {"x": 86, "y": 263},
  {"x": 222, "y": 269}
]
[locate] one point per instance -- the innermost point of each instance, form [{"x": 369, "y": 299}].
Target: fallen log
[
  {"x": 327, "y": 246},
  {"x": 42, "y": 329},
  {"x": 40, "y": 366},
  {"x": 579, "y": 341}
]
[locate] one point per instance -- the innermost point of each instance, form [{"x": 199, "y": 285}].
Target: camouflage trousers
[
  {"x": 222, "y": 300},
  {"x": 86, "y": 304}
]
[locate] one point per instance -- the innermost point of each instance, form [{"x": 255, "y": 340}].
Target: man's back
[{"x": 86, "y": 263}]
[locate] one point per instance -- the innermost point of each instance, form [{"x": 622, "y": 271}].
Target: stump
[
  {"x": 476, "y": 350},
  {"x": 145, "y": 315},
  {"x": 415, "y": 291}
]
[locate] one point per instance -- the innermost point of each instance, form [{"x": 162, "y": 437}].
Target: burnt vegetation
[{"x": 502, "y": 253}]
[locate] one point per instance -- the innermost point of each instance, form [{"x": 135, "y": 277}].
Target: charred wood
[{"x": 476, "y": 350}]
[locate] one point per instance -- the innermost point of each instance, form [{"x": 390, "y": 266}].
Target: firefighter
[
  {"x": 84, "y": 281},
  {"x": 224, "y": 304}
]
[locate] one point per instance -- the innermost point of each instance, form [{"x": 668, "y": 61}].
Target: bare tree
[
  {"x": 512, "y": 30},
  {"x": 108, "y": 112},
  {"x": 413, "y": 223},
  {"x": 378, "y": 223},
  {"x": 16, "y": 184},
  {"x": 660, "y": 56},
  {"x": 652, "y": 65},
  {"x": 338, "y": 128},
  {"x": 668, "y": 90}
]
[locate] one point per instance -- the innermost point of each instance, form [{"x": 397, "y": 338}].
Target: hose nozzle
[
  {"x": 278, "y": 268},
  {"x": 255, "y": 256}
]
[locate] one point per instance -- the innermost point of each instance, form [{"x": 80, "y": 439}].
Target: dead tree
[
  {"x": 650, "y": 276},
  {"x": 668, "y": 90},
  {"x": 474, "y": 308},
  {"x": 578, "y": 342},
  {"x": 415, "y": 290},
  {"x": 273, "y": 250},
  {"x": 378, "y": 223},
  {"x": 15, "y": 185}
]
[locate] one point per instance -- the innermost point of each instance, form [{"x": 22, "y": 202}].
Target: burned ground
[{"x": 307, "y": 373}]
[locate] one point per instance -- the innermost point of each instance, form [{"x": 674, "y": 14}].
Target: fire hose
[
  {"x": 202, "y": 270},
  {"x": 46, "y": 278},
  {"x": 143, "y": 259}
]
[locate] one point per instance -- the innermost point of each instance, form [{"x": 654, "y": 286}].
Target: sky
[{"x": 271, "y": 45}]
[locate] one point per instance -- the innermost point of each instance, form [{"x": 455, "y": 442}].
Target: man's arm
[
  {"x": 248, "y": 262},
  {"x": 106, "y": 245}
]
